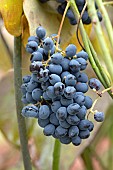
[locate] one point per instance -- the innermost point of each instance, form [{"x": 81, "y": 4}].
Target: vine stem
[
  {"x": 56, "y": 155},
  {"x": 21, "y": 121},
  {"x": 105, "y": 77}
]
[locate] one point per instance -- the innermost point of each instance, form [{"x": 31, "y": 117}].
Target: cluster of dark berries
[
  {"x": 56, "y": 89},
  {"x": 70, "y": 15}
]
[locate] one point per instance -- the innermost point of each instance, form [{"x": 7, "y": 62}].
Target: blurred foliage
[
  {"x": 8, "y": 114},
  {"x": 104, "y": 132},
  {"x": 41, "y": 147},
  {"x": 5, "y": 63}
]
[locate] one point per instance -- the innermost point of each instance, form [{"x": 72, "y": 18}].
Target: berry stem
[
  {"x": 56, "y": 155},
  {"x": 61, "y": 24},
  {"x": 94, "y": 103},
  {"x": 110, "y": 88},
  {"x": 96, "y": 100},
  {"x": 21, "y": 120}
]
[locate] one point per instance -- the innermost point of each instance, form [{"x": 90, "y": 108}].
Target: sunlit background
[{"x": 95, "y": 153}]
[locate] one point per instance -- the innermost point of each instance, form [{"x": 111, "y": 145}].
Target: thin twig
[
  {"x": 98, "y": 32},
  {"x": 78, "y": 25},
  {"x": 61, "y": 24}
]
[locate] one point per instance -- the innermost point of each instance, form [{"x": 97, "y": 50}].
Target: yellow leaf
[
  {"x": 11, "y": 11},
  {"x": 25, "y": 30}
]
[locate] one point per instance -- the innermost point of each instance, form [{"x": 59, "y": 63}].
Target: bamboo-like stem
[
  {"x": 98, "y": 30},
  {"x": 86, "y": 44},
  {"x": 56, "y": 155},
  {"x": 107, "y": 21},
  {"x": 91, "y": 57},
  {"x": 106, "y": 79},
  {"x": 108, "y": 3},
  {"x": 21, "y": 120},
  {"x": 97, "y": 67}
]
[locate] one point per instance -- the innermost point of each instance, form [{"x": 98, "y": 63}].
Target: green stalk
[
  {"x": 56, "y": 155},
  {"x": 21, "y": 121},
  {"x": 107, "y": 22},
  {"x": 94, "y": 61},
  {"x": 102, "y": 42},
  {"x": 86, "y": 44},
  {"x": 87, "y": 158},
  {"x": 106, "y": 79},
  {"x": 108, "y": 3},
  {"x": 91, "y": 56}
]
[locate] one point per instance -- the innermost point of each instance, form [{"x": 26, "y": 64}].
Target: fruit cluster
[
  {"x": 56, "y": 88},
  {"x": 70, "y": 15}
]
